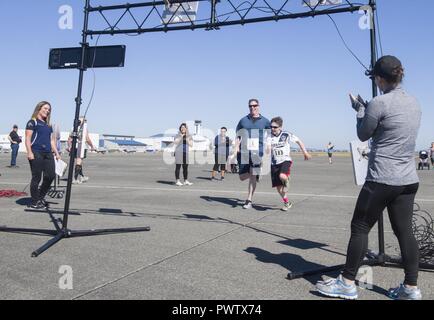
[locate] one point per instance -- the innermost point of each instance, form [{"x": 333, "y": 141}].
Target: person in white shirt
[
  {"x": 330, "y": 148},
  {"x": 279, "y": 146},
  {"x": 83, "y": 140}
]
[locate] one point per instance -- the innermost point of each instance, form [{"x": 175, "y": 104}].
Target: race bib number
[
  {"x": 279, "y": 155},
  {"x": 253, "y": 144}
]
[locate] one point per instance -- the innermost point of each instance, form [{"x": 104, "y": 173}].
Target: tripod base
[
  {"x": 84, "y": 233},
  {"x": 60, "y": 234}
]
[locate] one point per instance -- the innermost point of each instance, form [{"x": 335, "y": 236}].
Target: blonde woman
[
  {"x": 183, "y": 142},
  {"x": 41, "y": 144}
]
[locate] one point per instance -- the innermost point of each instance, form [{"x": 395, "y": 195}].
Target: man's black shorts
[
  {"x": 244, "y": 168},
  {"x": 276, "y": 170},
  {"x": 219, "y": 161}
]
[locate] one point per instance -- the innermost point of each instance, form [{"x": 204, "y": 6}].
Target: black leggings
[
  {"x": 43, "y": 163},
  {"x": 78, "y": 171},
  {"x": 373, "y": 199},
  {"x": 184, "y": 171}
]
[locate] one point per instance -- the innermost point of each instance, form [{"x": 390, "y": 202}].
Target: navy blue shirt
[
  {"x": 41, "y": 137},
  {"x": 251, "y": 132}
]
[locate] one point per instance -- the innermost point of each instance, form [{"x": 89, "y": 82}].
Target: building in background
[
  {"x": 122, "y": 143},
  {"x": 157, "y": 142}
]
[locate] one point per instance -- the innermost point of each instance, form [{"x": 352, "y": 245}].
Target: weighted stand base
[{"x": 373, "y": 259}]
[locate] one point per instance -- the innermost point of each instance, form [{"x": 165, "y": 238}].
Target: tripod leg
[
  {"x": 296, "y": 275},
  {"x": 372, "y": 261},
  {"x": 28, "y": 231},
  {"x": 95, "y": 232},
  {"x": 49, "y": 244}
]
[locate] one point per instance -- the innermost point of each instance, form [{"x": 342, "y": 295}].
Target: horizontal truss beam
[{"x": 210, "y": 22}]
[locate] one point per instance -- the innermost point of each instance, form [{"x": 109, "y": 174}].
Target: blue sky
[{"x": 298, "y": 69}]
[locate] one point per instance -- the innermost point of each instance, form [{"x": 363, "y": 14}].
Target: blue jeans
[{"x": 14, "y": 147}]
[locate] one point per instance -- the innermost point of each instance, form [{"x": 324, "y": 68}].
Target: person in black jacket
[{"x": 15, "y": 141}]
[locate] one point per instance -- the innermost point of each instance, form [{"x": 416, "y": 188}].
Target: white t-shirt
[{"x": 280, "y": 147}]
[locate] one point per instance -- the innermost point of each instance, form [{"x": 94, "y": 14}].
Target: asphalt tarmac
[{"x": 202, "y": 243}]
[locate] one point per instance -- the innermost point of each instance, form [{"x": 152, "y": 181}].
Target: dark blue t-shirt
[
  {"x": 252, "y": 131},
  {"x": 41, "y": 137}
]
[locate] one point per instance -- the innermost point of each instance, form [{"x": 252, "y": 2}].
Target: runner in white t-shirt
[{"x": 279, "y": 146}]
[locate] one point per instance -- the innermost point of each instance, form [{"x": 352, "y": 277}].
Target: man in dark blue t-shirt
[
  {"x": 15, "y": 141},
  {"x": 249, "y": 146}
]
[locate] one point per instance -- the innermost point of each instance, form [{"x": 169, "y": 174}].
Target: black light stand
[{"x": 64, "y": 232}]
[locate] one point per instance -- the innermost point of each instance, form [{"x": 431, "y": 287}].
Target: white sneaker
[
  {"x": 179, "y": 183},
  {"x": 286, "y": 206},
  {"x": 76, "y": 181},
  {"x": 187, "y": 183},
  {"x": 84, "y": 178},
  {"x": 247, "y": 204}
]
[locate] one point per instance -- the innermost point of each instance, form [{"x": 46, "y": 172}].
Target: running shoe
[
  {"x": 44, "y": 203},
  {"x": 336, "y": 288},
  {"x": 84, "y": 178},
  {"x": 404, "y": 293},
  {"x": 187, "y": 183},
  {"x": 38, "y": 206},
  {"x": 247, "y": 204},
  {"x": 179, "y": 183},
  {"x": 286, "y": 206},
  {"x": 77, "y": 181}
]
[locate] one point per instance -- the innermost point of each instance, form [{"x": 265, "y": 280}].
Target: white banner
[{"x": 180, "y": 12}]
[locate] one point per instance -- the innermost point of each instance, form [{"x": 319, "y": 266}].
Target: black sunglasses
[
  {"x": 253, "y": 105},
  {"x": 275, "y": 127}
]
